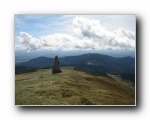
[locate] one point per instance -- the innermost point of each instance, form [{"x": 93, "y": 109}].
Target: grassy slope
[{"x": 70, "y": 87}]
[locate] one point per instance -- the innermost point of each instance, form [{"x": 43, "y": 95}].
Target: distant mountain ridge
[{"x": 91, "y": 61}]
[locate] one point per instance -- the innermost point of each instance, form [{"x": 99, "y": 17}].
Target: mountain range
[{"x": 94, "y": 63}]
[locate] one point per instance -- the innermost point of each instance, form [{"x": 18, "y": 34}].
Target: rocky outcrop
[{"x": 56, "y": 67}]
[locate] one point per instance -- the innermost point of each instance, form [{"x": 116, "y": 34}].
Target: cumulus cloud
[
  {"x": 92, "y": 29},
  {"x": 94, "y": 36},
  {"x": 61, "y": 41},
  {"x": 29, "y": 42}
]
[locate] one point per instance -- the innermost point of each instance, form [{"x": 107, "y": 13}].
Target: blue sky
[
  {"x": 41, "y": 25},
  {"x": 74, "y": 32}
]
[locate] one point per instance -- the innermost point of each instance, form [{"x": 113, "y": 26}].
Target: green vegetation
[{"x": 71, "y": 87}]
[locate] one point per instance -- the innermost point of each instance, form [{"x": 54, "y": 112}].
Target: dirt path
[
  {"x": 48, "y": 72},
  {"x": 29, "y": 79}
]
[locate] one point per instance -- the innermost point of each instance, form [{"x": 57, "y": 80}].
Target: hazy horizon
[{"x": 22, "y": 56}]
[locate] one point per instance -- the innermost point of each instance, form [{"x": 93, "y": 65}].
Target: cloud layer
[{"x": 89, "y": 34}]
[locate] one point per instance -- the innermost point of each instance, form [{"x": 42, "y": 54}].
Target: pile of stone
[{"x": 56, "y": 67}]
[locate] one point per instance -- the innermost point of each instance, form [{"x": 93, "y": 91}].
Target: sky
[{"x": 75, "y": 32}]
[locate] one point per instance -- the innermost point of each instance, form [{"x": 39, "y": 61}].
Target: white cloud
[
  {"x": 92, "y": 29},
  {"x": 29, "y": 42},
  {"x": 94, "y": 36},
  {"x": 61, "y": 41}
]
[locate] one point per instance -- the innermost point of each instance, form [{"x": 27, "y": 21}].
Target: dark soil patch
[
  {"x": 67, "y": 93},
  {"x": 85, "y": 101}
]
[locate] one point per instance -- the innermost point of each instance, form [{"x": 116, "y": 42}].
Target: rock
[
  {"x": 67, "y": 93},
  {"x": 56, "y": 67},
  {"x": 85, "y": 101}
]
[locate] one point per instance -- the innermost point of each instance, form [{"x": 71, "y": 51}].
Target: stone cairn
[{"x": 56, "y": 67}]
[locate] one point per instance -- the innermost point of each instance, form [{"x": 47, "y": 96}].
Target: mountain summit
[{"x": 71, "y": 87}]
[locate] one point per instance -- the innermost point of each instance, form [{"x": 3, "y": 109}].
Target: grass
[{"x": 70, "y": 87}]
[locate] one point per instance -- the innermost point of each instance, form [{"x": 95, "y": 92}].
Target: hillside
[{"x": 71, "y": 87}]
